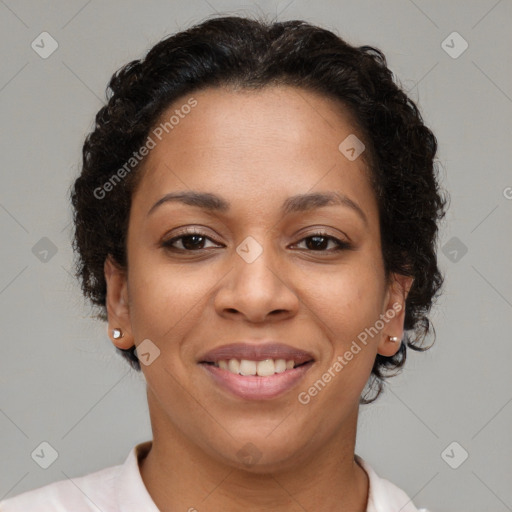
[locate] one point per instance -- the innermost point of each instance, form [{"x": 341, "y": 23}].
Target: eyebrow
[{"x": 293, "y": 204}]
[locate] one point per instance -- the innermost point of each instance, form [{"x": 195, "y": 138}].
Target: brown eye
[
  {"x": 317, "y": 242},
  {"x": 320, "y": 242},
  {"x": 189, "y": 241}
]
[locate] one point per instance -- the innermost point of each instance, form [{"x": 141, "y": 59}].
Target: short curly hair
[{"x": 240, "y": 52}]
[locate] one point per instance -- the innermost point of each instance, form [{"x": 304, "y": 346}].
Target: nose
[{"x": 258, "y": 292}]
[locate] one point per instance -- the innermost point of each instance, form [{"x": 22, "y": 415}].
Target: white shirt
[{"x": 121, "y": 489}]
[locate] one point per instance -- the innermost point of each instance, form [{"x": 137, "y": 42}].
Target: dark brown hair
[{"x": 246, "y": 53}]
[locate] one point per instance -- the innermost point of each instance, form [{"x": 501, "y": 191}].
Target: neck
[{"x": 179, "y": 475}]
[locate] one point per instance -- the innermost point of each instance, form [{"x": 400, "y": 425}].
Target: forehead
[
  {"x": 253, "y": 142},
  {"x": 247, "y": 117}
]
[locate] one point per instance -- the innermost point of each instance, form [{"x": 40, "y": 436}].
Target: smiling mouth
[
  {"x": 256, "y": 369},
  {"x": 262, "y": 368},
  {"x": 248, "y": 379}
]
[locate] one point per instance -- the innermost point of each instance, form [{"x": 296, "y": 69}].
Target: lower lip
[{"x": 253, "y": 387}]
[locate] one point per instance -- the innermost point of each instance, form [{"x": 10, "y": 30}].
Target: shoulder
[
  {"x": 384, "y": 495},
  {"x": 110, "y": 490},
  {"x": 88, "y": 493}
]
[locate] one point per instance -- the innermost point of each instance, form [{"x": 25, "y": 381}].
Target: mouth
[
  {"x": 263, "y": 368},
  {"x": 256, "y": 371}
]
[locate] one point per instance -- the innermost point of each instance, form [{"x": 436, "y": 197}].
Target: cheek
[
  {"x": 350, "y": 303},
  {"x": 347, "y": 300},
  {"x": 164, "y": 299}
]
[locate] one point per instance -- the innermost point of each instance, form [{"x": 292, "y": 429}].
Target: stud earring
[
  {"x": 394, "y": 339},
  {"x": 117, "y": 333}
]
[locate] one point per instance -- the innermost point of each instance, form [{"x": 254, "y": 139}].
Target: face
[{"x": 258, "y": 267}]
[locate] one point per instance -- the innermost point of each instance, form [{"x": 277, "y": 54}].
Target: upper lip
[{"x": 256, "y": 352}]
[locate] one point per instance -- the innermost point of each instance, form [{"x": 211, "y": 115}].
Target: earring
[
  {"x": 117, "y": 333},
  {"x": 394, "y": 339}
]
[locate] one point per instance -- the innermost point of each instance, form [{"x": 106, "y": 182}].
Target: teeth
[
  {"x": 263, "y": 368},
  {"x": 280, "y": 365},
  {"x": 247, "y": 367},
  {"x": 234, "y": 365}
]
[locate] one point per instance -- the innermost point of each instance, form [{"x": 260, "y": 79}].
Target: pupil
[
  {"x": 194, "y": 244},
  {"x": 318, "y": 242}
]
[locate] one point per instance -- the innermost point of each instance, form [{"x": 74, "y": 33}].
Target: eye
[
  {"x": 320, "y": 241},
  {"x": 191, "y": 240}
]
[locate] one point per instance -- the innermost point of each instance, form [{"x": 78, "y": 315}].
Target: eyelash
[{"x": 341, "y": 244}]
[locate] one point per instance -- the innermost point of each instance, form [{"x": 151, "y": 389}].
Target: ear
[
  {"x": 117, "y": 303},
  {"x": 394, "y": 314}
]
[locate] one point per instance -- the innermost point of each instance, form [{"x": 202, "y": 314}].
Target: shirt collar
[
  {"x": 132, "y": 495},
  {"x": 383, "y": 495}
]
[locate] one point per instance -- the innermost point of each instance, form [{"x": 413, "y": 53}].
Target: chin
[{"x": 264, "y": 454}]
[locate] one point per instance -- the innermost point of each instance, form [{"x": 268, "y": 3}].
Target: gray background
[{"x": 61, "y": 380}]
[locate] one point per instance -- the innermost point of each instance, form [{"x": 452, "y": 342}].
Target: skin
[{"x": 255, "y": 149}]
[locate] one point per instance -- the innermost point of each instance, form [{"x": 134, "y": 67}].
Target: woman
[{"x": 256, "y": 219}]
